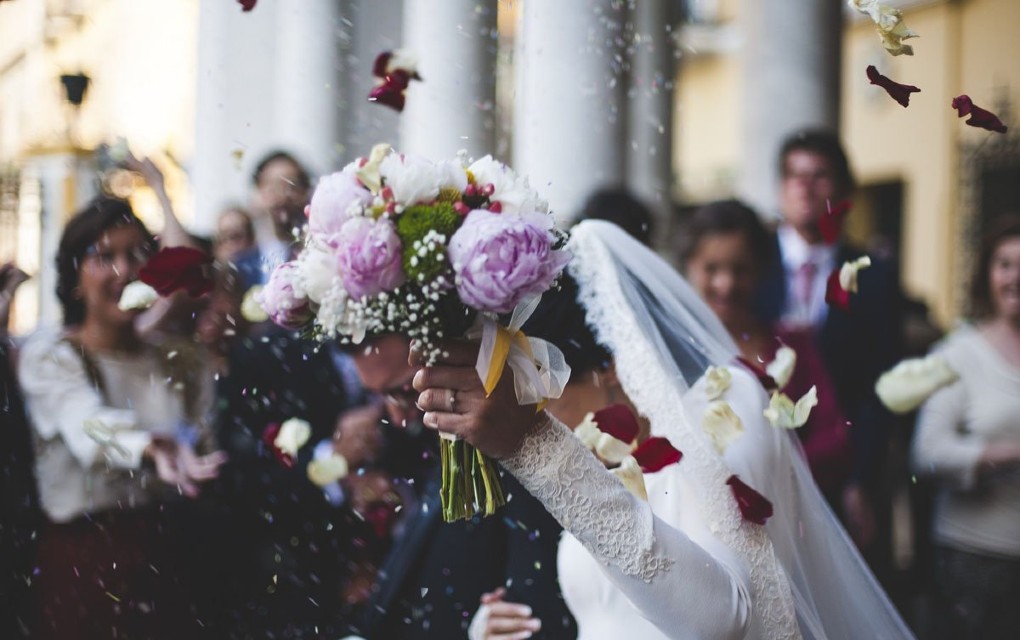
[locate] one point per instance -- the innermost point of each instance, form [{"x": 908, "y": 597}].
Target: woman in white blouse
[
  {"x": 968, "y": 438},
  {"x": 111, "y": 424}
]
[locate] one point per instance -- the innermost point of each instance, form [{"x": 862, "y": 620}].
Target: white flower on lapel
[
  {"x": 907, "y": 385},
  {"x": 721, "y": 424},
  {"x": 293, "y": 435},
  {"x": 629, "y": 473},
  {"x": 137, "y": 295},
  {"x": 717, "y": 381},
  {"x": 782, "y": 366},
  {"x": 848, "y": 273},
  {"x": 326, "y": 471},
  {"x": 784, "y": 414}
]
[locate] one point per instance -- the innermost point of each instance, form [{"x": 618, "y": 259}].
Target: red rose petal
[
  {"x": 759, "y": 372},
  {"x": 247, "y": 5},
  {"x": 835, "y": 295},
  {"x": 898, "y": 92},
  {"x": 979, "y": 117},
  {"x": 618, "y": 421},
  {"x": 655, "y": 453},
  {"x": 754, "y": 507},
  {"x": 381, "y": 62},
  {"x": 831, "y": 223},
  {"x": 178, "y": 268}
]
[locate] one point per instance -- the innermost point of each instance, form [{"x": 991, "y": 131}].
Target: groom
[{"x": 431, "y": 582}]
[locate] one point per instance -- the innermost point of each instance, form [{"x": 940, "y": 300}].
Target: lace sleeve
[{"x": 675, "y": 583}]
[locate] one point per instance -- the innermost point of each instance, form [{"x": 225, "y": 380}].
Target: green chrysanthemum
[{"x": 420, "y": 228}]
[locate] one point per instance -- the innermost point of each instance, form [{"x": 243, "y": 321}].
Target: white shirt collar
[{"x": 796, "y": 251}]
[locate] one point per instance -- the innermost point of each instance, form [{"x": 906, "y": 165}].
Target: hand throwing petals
[
  {"x": 907, "y": 385},
  {"x": 898, "y": 92}
]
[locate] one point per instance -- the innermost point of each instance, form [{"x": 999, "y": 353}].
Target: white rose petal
[
  {"x": 891, "y": 29},
  {"x": 717, "y": 381},
  {"x": 137, "y": 295},
  {"x": 588, "y": 432},
  {"x": 251, "y": 309},
  {"x": 848, "y": 273},
  {"x": 721, "y": 424},
  {"x": 369, "y": 172},
  {"x": 782, "y": 366},
  {"x": 326, "y": 471},
  {"x": 411, "y": 178},
  {"x": 629, "y": 473},
  {"x": 784, "y": 414},
  {"x": 610, "y": 449},
  {"x": 293, "y": 435},
  {"x": 907, "y": 385},
  {"x": 316, "y": 271}
]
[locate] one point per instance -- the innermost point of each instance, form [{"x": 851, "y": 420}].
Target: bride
[{"x": 686, "y": 562}]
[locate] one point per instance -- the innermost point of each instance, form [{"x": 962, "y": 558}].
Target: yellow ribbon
[{"x": 505, "y": 339}]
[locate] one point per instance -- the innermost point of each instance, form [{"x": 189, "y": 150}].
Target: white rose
[
  {"x": 907, "y": 385},
  {"x": 316, "y": 272},
  {"x": 717, "y": 381},
  {"x": 137, "y": 295},
  {"x": 412, "y": 179},
  {"x": 452, "y": 175},
  {"x": 721, "y": 424},
  {"x": 782, "y": 366},
  {"x": 629, "y": 473},
  {"x": 326, "y": 471},
  {"x": 513, "y": 193},
  {"x": 293, "y": 435},
  {"x": 784, "y": 414}
]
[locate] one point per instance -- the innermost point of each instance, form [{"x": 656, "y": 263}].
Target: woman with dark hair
[
  {"x": 727, "y": 249},
  {"x": 112, "y": 422},
  {"x": 968, "y": 438}
]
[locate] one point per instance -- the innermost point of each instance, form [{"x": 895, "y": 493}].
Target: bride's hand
[
  {"x": 454, "y": 401},
  {"x": 499, "y": 620}
]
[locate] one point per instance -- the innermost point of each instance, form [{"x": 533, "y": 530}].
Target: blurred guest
[
  {"x": 727, "y": 249},
  {"x": 19, "y": 499},
  {"x": 968, "y": 439},
  {"x": 622, "y": 208},
  {"x": 235, "y": 234},
  {"x": 109, "y": 424},
  {"x": 282, "y": 188},
  {"x": 856, "y": 345}
]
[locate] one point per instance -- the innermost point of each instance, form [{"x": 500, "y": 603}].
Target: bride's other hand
[
  {"x": 500, "y": 620},
  {"x": 454, "y": 401}
]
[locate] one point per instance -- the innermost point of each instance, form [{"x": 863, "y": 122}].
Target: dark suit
[
  {"x": 432, "y": 580},
  {"x": 857, "y": 346},
  {"x": 291, "y": 546}
]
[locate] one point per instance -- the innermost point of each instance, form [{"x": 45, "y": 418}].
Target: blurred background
[{"x": 679, "y": 101}]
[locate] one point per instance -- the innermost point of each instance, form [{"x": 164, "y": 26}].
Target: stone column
[
  {"x": 791, "y": 76},
  {"x": 455, "y": 42},
  {"x": 568, "y": 116},
  {"x": 650, "y": 108}
]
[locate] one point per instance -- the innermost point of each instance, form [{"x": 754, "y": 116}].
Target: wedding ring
[{"x": 453, "y": 400}]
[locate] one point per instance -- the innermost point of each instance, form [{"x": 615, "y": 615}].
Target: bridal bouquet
[{"x": 431, "y": 250}]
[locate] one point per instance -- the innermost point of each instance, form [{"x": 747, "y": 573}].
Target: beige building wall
[{"x": 964, "y": 47}]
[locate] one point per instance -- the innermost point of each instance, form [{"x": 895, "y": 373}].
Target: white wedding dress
[{"x": 685, "y": 564}]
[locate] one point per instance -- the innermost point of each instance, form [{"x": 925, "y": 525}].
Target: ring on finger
[{"x": 453, "y": 400}]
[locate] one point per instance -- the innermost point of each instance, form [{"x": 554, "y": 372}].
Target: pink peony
[
  {"x": 284, "y": 307},
  {"x": 337, "y": 198},
  {"x": 369, "y": 257},
  {"x": 500, "y": 259}
]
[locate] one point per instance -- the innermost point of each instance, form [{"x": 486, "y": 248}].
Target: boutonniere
[{"x": 284, "y": 440}]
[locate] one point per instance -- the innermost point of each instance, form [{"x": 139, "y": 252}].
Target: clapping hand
[
  {"x": 500, "y": 620},
  {"x": 177, "y": 464}
]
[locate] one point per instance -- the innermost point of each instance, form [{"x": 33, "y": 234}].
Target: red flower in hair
[
  {"x": 177, "y": 268},
  {"x": 898, "y": 92},
  {"x": 618, "y": 421},
  {"x": 247, "y": 5},
  {"x": 754, "y": 507},
  {"x": 655, "y": 453},
  {"x": 978, "y": 117},
  {"x": 831, "y": 223},
  {"x": 269, "y": 439}
]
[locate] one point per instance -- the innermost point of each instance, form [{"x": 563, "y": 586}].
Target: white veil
[{"x": 663, "y": 338}]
